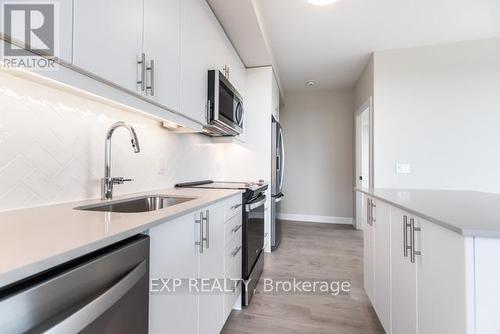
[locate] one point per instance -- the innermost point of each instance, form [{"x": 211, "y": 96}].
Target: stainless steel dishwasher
[{"x": 106, "y": 291}]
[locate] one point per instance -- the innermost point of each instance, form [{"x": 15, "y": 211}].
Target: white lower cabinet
[
  {"x": 403, "y": 277},
  {"x": 174, "y": 255},
  {"x": 382, "y": 263},
  {"x": 441, "y": 281},
  {"x": 176, "y": 252},
  {"x": 418, "y": 279}
]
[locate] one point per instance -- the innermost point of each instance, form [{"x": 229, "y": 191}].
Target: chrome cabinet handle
[
  {"x": 236, "y": 251},
  {"x": 236, "y": 206},
  {"x": 413, "y": 229},
  {"x": 405, "y": 236},
  {"x": 200, "y": 242},
  {"x": 373, "y": 205},
  {"x": 206, "y": 219},
  {"x": 235, "y": 229},
  {"x": 368, "y": 212},
  {"x": 150, "y": 88},
  {"x": 141, "y": 71}
]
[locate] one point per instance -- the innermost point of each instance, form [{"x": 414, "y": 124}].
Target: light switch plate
[{"x": 403, "y": 168}]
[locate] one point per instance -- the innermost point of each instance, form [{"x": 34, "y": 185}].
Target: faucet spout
[{"x": 108, "y": 182}]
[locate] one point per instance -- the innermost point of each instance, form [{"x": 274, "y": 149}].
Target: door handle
[
  {"x": 200, "y": 243},
  {"x": 236, "y": 251},
  {"x": 405, "y": 236},
  {"x": 206, "y": 219},
  {"x": 141, "y": 71},
  {"x": 368, "y": 211},
  {"x": 251, "y": 206},
  {"x": 413, "y": 252},
  {"x": 152, "y": 78}
]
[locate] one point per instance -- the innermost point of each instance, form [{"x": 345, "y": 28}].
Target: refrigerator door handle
[
  {"x": 280, "y": 198},
  {"x": 282, "y": 158}
]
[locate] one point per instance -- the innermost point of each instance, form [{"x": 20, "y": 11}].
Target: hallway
[{"x": 311, "y": 251}]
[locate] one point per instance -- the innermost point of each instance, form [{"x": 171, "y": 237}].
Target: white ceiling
[{"x": 332, "y": 44}]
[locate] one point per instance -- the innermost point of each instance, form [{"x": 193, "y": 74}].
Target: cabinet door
[
  {"x": 382, "y": 264},
  {"x": 162, "y": 44},
  {"x": 211, "y": 266},
  {"x": 174, "y": 255},
  {"x": 441, "y": 280},
  {"x": 403, "y": 279},
  {"x": 276, "y": 98},
  {"x": 201, "y": 50},
  {"x": 368, "y": 250},
  {"x": 108, "y": 39}
]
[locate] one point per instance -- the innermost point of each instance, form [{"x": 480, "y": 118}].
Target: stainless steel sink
[{"x": 137, "y": 204}]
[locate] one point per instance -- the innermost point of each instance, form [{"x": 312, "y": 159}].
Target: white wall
[
  {"x": 363, "y": 88},
  {"x": 52, "y": 148},
  {"x": 438, "y": 108},
  {"x": 318, "y": 129}
]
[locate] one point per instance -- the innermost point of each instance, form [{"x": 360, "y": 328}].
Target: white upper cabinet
[
  {"x": 276, "y": 98},
  {"x": 200, "y": 52},
  {"x": 108, "y": 39},
  {"x": 204, "y": 47},
  {"x": 162, "y": 46}
]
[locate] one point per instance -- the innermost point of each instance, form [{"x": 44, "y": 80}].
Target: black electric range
[{"x": 253, "y": 214}]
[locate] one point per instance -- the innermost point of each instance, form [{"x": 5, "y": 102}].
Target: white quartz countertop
[
  {"x": 469, "y": 213},
  {"x": 33, "y": 240}
]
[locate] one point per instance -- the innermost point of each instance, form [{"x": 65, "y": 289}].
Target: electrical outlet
[{"x": 403, "y": 168}]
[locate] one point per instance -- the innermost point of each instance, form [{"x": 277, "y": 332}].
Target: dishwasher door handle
[{"x": 90, "y": 312}]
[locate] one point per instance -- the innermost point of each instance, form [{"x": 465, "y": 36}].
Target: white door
[
  {"x": 162, "y": 45},
  {"x": 368, "y": 251},
  {"x": 441, "y": 280},
  {"x": 108, "y": 39},
  {"x": 174, "y": 255},
  {"x": 211, "y": 266},
  {"x": 382, "y": 264},
  {"x": 201, "y": 50},
  {"x": 403, "y": 278},
  {"x": 364, "y": 156}
]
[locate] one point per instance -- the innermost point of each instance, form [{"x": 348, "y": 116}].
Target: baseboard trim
[{"x": 315, "y": 219}]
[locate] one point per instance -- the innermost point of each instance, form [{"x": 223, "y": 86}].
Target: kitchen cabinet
[
  {"x": 381, "y": 214},
  {"x": 403, "y": 276},
  {"x": 176, "y": 252},
  {"x": 174, "y": 255},
  {"x": 204, "y": 46},
  {"x": 368, "y": 248},
  {"x": 441, "y": 280},
  {"x": 377, "y": 250},
  {"x": 276, "y": 98},
  {"x": 108, "y": 41},
  {"x": 211, "y": 266},
  {"x": 162, "y": 46}
]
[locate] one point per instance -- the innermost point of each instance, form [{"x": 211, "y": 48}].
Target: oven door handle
[{"x": 259, "y": 202}]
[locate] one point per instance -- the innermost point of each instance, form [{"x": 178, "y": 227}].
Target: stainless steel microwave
[{"x": 225, "y": 112}]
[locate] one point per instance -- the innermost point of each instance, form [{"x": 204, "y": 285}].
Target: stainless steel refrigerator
[{"x": 277, "y": 177}]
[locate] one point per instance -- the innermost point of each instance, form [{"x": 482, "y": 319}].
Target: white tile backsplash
[{"x": 52, "y": 148}]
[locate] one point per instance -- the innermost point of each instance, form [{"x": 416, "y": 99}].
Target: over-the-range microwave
[{"x": 225, "y": 112}]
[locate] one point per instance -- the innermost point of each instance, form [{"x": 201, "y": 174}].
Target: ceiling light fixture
[
  {"x": 310, "y": 83},
  {"x": 321, "y": 2}
]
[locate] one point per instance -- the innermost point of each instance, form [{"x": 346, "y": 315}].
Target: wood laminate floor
[{"x": 311, "y": 251}]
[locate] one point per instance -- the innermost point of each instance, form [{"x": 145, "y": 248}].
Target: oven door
[{"x": 253, "y": 233}]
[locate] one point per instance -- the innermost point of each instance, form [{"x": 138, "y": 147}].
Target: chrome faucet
[{"x": 108, "y": 182}]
